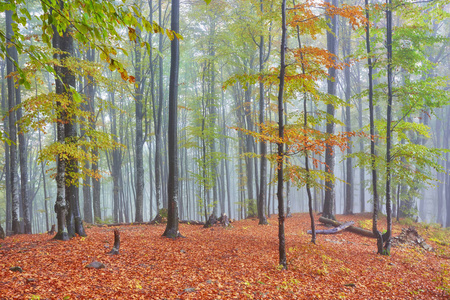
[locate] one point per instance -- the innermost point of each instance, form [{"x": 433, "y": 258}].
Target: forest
[{"x": 197, "y": 120}]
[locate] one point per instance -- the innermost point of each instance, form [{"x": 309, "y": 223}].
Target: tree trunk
[
  {"x": 372, "y": 138},
  {"x": 354, "y": 229},
  {"x": 74, "y": 220},
  {"x": 47, "y": 227},
  {"x": 280, "y": 154},
  {"x": 305, "y": 152},
  {"x": 262, "y": 144},
  {"x": 349, "y": 186},
  {"x": 172, "y": 184},
  {"x": 116, "y": 164},
  {"x": 249, "y": 142},
  {"x": 26, "y": 203},
  {"x": 362, "y": 187},
  {"x": 60, "y": 205},
  {"x": 139, "y": 142},
  {"x": 157, "y": 117},
  {"x": 225, "y": 151},
  {"x": 330, "y": 193},
  {"x": 447, "y": 177},
  {"x": 212, "y": 111},
  {"x": 12, "y": 129},
  {"x": 387, "y": 235},
  {"x": 90, "y": 94},
  {"x": 8, "y": 197}
]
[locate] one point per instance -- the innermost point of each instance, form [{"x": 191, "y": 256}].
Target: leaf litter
[{"x": 239, "y": 262}]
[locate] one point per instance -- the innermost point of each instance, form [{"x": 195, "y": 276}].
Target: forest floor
[{"x": 240, "y": 262}]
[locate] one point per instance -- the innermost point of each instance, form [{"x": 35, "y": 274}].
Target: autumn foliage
[{"x": 238, "y": 262}]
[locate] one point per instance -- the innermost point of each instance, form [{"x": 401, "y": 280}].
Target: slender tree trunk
[
  {"x": 330, "y": 193},
  {"x": 8, "y": 197},
  {"x": 225, "y": 150},
  {"x": 139, "y": 142},
  {"x": 446, "y": 176},
  {"x": 213, "y": 112},
  {"x": 157, "y": 117},
  {"x": 249, "y": 142},
  {"x": 387, "y": 235},
  {"x": 116, "y": 163},
  {"x": 26, "y": 203},
  {"x": 96, "y": 187},
  {"x": 280, "y": 154},
  {"x": 172, "y": 184},
  {"x": 348, "y": 210},
  {"x": 362, "y": 188},
  {"x": 12, "y": 129},
  {"x": 372, "y": 138},
  {"x": 262, "y": 145},
  {"x": 305, "y": 126},
  {"x": 44, "y": 184},
  {"x": 87, "y": 196},
  {"x": 440, "y": 175}
]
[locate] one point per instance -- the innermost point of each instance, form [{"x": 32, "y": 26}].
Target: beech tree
[
  {"x": 13, "y": 168},
  {"x": 172, "y": 183},
  {"x": 280, "y": 152},
  {"x": 330, "y": 194}
]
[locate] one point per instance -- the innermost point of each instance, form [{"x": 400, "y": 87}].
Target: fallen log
[
  {"x": 354, "y": 229},
  {"x": 335, "y": 229},
  {"x": 191, "y": 222}
]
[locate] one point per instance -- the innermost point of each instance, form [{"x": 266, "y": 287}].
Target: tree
[
  {"x": 387, "y": 235},
  {"x": 88, "y": 107},
  {"x": 349, "y": 187},
  {"x": 305, "y": 126},
  {"x": 8, "y": 186},
  {"x": 12, "y": 126},
  {"x": 280, "y": 153},
  {"x": 157, "y": 119},
  {"x": 330, "y": 201},
  {"x": 262, "y": 197},
  {"x": 372, "y": 135},
  {"x": 171, "y": 230},
  {"x": 63, "y": 42},
  {"x": 139, "y": 142}
]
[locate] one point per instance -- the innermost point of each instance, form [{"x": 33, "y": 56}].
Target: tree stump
[
  {"x": 157, "y": 220},
  {"x": 53, "y": 230},
  {"x": 115, "y": 249},
  {"x": 410, "y": 237},
  {"x": 211, "y": 221},
  {"x": 224, "y": 220},
  {"x": 2, "y": 233}
]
